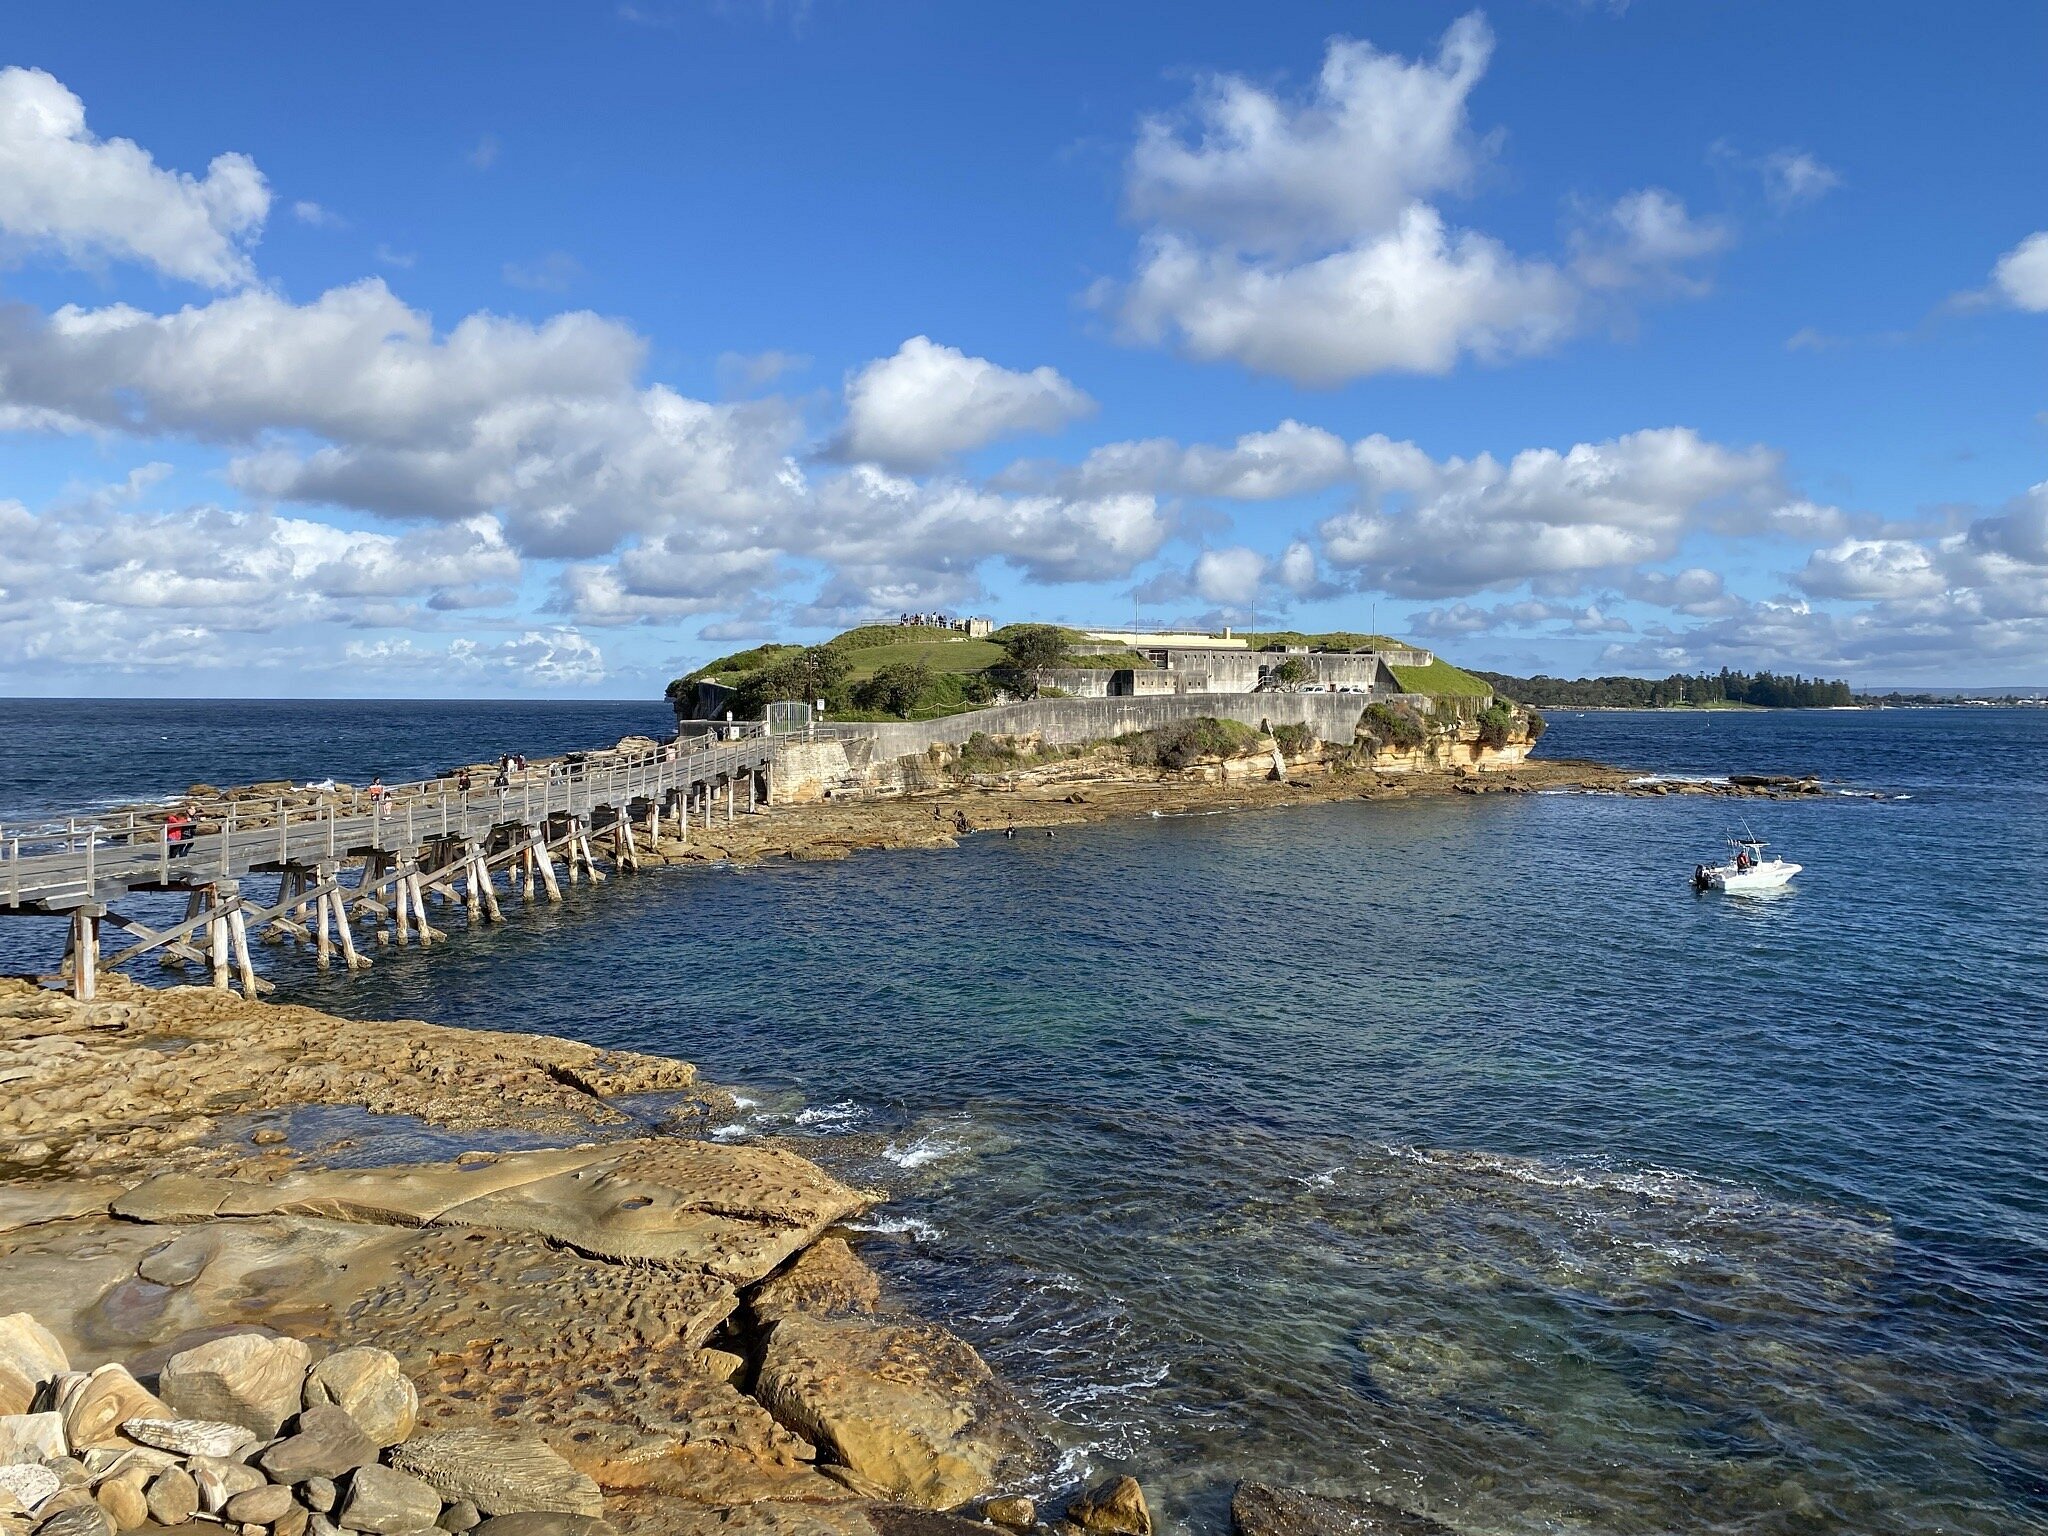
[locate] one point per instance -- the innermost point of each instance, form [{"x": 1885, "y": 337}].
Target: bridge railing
[{"x": 71, "y": 859}]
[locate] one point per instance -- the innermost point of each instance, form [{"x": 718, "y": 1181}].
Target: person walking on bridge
[{"x": 178, "y": 832}]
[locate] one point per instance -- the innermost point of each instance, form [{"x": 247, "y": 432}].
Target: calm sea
[{"x": 1445, "y": 1151}]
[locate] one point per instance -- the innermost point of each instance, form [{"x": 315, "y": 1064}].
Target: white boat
[{"x": 1747, "y": 872}]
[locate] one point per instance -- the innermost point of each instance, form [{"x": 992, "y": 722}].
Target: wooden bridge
[{"x": 324, "y": 861}]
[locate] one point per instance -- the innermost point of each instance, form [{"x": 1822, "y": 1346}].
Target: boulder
[
  {"x": 24, "y": 1486},
  {"x": 1014, "y": 1512},
  {"x": 368, "y": 1384},
  {"x": 326, "y": 1443},
  {"x": 97, "y": 1403},
  {"x": 251, "y": 1379},
  {"x": 501, "y": 1472},
  {"x": 908, "y": 1407},
  {"x": 172, "y": 1496},
  {"x": 320, "y": 1494},
  {"x": 259, "y": 1506},
  {"x": 1114, "y": 1508},
  {"x": 30, "y": 1437},
  {"x": 121, "y": 1498},
  {"x": 383, "y": 1500},
  {"x": 825, "y": 1280},
  {"x": 30, "y": 1357},
  {"x": 1260, "y": 1509},
  {"x": 292, "y": 1522},
  {"x": 86, "y": 1519},
  {"x": 465, "y": 1516},
  {"x": 219, "y": 1480},
  {"x": 190, "y": 1437}
]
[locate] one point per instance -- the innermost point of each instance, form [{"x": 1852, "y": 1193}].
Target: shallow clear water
[{"x": 1447, "y": 1151}]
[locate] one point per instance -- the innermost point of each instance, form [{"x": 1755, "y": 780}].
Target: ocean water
[{"x": 1447, "y": 1151}]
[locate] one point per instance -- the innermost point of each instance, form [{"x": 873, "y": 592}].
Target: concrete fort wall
[{"x": 1074, "y": 722}]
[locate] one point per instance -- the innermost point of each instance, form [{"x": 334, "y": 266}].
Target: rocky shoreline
[
  {"x": 671, "y": 1333},
  {"x": 938, "y": 808},
  {"x": 669, "y": 1328}
]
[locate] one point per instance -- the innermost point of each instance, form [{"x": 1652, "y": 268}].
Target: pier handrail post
[
  {"x": 284, "y": 819},
  {"x": 163, "y": 853},
  {"x": 330, "y": 831},
  {"x": 14, "y": 864},
  {"x": 91, "y": 843},
  {"x": 227, "y": 839}
]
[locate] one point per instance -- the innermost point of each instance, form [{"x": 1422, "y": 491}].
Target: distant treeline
[{"x": 1766, "y": 690}]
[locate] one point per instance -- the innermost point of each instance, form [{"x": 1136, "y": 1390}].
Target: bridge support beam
[{"x": 82, "y": 952}]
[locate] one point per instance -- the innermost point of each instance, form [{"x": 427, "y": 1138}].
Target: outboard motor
[{"x": 1699, "y": 877}]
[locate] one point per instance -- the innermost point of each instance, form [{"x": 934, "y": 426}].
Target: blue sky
[{"x": 471, "y": 350}]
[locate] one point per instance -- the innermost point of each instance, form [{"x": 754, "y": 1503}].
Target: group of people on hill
[{"x": 928, "y": 621}]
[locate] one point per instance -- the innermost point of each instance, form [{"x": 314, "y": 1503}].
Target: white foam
[
  {"x": 829, "y": 1117},
  {"x": 923, "y": 1151},
  {"x": 733, "y": 1132},
  {"x": 897, "y": 1226}
]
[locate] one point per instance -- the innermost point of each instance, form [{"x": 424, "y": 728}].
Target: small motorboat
[{"x": 1747, "y": 872}]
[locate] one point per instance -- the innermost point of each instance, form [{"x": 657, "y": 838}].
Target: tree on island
[{"x": 1766, "y": 690}]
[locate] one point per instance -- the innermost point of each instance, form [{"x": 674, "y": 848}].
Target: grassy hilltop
[{"x": 894, "y": 672}]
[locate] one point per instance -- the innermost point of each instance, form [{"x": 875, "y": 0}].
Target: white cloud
[
  {"x": 553, "y": 658},
  {"x": 2021, "y": 276},
  {"x": 1229, "y": 575},
  {"x": 878, "y": 528},
  {"x": 1290, "y": 460},
  {"x": 95, "y": 570},
  {"x": 1872, "y": 568},
  {"x": 1264, "y": 174},
  {"x": 1645, "y": 239},
  {"x": 484, "y": 153},
  {"x": 64, "y": 189},
  {"x": 1695, "y": 590},
  {"x": 1793, "y": 177},
  {"x": 356, "y": 364},
  {"x": 309, "y": 212},
  {"x": 1415, "y": 300},
  {"x": 1426, "y": 528},
  {"x": 1462, "y": 619},
  {"x": 928, "y": 402},
  {"x": 1296, "y": 237}
]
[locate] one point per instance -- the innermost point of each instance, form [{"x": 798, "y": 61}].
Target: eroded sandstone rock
[
  {"x": 907, "y": 1406},
  {"x": 250, "y": 1379},
  {"x": 1114, "y": 1508},
  {"x": 501, "y": 1472},
  {"x": 30, "y": 1357},
  {"x": 824, "y": 1280},
  {"x": 387, "y": 1501},
  {"x": 371, "y": 1387},
  {"x": 325, "y": 1443},
  {"x": 96, "y": 1403}
]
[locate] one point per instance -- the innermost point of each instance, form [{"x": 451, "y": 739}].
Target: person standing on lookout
[{"x": 178, "y": 832}]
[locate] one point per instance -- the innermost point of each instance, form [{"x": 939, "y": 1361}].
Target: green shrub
[
  {"x": 898, "y": 689},
  {"x": 815, "y": 672},
  {"x": 1294, "y": 671},
  {"x": 1393, "y": 725},
  {"x": 1033, "y": 647},
  {"x": 1186, "y": 742},
  {"x": 1537, "y": 726},
  {"x": 1496, "y": 724},
  {"x": 1295, "y": 739}
]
